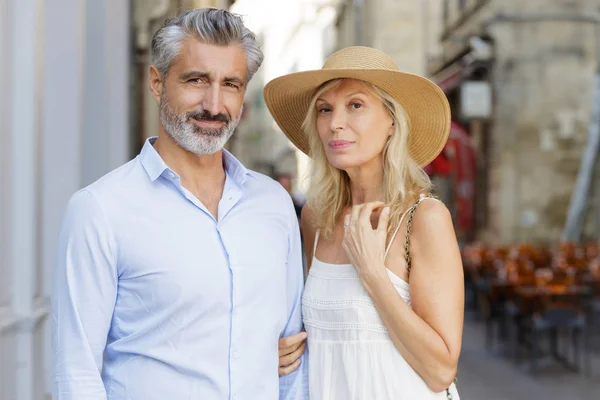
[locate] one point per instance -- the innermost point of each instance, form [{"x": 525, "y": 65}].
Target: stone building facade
[
  {"x": 538, "y": 59},
  {"x": 541, "y": 68},
  {"x": 407, "y": 30}
]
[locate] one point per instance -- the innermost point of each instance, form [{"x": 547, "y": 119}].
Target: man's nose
[{"x": 212, "y": 100}]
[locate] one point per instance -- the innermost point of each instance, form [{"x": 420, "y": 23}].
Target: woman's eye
[
  {"x": 356, "y": 106},
  {"x": 323, "y": 110}
]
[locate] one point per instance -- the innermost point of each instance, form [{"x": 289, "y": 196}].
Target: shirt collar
[
  {"x": 155, "y": 165},
  {"x": 234, "y": 168}
]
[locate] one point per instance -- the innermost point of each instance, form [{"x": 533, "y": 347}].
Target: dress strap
[
  {"x": 315, "y": 245},
  {"x": 421, "y": 198},
  {"x": 389, "y": 246}
]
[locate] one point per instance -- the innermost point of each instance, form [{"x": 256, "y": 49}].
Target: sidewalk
[{"x": 486, "y": 376}]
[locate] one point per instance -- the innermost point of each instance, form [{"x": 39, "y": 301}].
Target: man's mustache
[{"x": 207, "y": 116}]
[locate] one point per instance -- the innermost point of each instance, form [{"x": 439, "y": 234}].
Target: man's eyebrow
[
  {"x": 234, "y": 79},
  {"x": 193, "y": 74}
]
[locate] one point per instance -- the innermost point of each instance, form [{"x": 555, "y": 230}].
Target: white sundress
[{"x": 351, "y": 356}]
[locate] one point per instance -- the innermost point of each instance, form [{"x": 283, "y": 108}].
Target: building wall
[
  {"x": 408, "y": 30},
  {"x": 64, "y": 122},
  {"x": 542, "y": 75},
  {"x": 296, "y": 35}
]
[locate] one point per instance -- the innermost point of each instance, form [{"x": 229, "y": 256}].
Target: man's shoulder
[
  {"x": 264, "y": 183},
  {"x": 111, "y": 188},
  {"x": 116, "y": 180},
  {"x": 268, "y": 191}
]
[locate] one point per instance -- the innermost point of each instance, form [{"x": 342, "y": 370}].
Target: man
[{"x": 182, "y": 268}]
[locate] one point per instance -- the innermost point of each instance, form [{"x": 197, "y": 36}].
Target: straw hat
[{"x": 288, "y": 98}]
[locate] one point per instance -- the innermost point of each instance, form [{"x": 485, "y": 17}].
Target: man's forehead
[{"x": 212, "y": 59}]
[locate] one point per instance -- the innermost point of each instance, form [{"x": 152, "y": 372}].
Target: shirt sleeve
[
  {"x": 83, "y": 299},
  {"x": 295, "y": 385}
]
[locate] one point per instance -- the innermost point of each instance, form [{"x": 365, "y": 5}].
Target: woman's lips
[{"x": 340, "y": 144}]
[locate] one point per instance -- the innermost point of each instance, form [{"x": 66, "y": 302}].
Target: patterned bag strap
[{"x": 411, "y": 214}]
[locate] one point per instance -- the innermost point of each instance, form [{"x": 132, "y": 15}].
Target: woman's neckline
[{"x": 346, "y": 267}]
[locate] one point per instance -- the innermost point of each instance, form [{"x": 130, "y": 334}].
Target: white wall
[{"x": 64, "y": 72}]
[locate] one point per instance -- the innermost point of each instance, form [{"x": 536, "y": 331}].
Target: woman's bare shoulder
[
  {"x": 307, "y": 219},
  {"x": 432, "y": 213},
  {"x": 432, "y": 226},
  {"x": 431, "y": 221}
]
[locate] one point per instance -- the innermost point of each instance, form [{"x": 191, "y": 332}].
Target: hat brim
[{"x": 426, "y": 105}]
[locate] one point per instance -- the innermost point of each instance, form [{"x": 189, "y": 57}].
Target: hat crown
[{"x": 358, "y": 57}]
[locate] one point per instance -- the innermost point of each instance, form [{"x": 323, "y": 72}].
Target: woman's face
[{"x": 353, "y": 124}]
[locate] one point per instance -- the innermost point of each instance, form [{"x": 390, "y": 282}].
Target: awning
[{"x": 451, "y": 77}]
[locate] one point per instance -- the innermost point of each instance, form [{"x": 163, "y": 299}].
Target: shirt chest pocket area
[
  {"x": 265, "y": 248},
  {"x": 259, "y": 264}
]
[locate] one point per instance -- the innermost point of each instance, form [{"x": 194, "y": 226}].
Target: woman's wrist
[{"x": 374, "y": 278}]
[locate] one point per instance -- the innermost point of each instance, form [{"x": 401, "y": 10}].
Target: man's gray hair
[{"x": 209, "y": 25}]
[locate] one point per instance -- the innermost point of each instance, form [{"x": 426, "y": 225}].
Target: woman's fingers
[
  {"x": 367, "y": 210},
  {"x": 289, "y": 369},
  {"x": 291, "y": 358},
  {"x": 383, "y": 220},
  {"x": 290, "y": 350},
  {"x": 354, "y": 216},
  {"x": 290, "y": 344}
]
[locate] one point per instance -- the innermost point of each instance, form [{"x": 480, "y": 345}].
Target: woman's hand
[
  {"x": 365, "y": 246},
  {"x": 291, "y": 349}
]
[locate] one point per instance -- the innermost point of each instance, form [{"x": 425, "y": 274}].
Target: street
[{"x": 486, "y": 376}]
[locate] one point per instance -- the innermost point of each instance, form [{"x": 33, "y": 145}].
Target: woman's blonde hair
[{"x": 329, "y": 192}]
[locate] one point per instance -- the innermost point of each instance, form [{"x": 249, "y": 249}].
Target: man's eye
[{"x": 232, "y": 85}]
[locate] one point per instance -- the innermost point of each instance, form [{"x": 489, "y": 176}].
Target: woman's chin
[{"x": 344, "y": 162}]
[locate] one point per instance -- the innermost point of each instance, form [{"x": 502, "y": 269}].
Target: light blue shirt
[{"x": 180, "y": 305}]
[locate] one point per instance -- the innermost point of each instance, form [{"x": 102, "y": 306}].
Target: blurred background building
[
  {"x": 64, "y": 121},
  {"x": 519, "y": 74},
  {"x": 520, "y": 77}
]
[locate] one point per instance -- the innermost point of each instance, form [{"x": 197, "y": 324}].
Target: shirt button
[
  {"x": 236, "y": 354},
  {"x": 235, "y": 311}
]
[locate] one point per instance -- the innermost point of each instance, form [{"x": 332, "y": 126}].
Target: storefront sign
[{"x": 475, "y": 100}]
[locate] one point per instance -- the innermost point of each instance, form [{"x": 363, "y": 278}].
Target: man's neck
[{"x": 202, "y": 175}]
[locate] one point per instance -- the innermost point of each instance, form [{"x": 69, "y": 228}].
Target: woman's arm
[
  {"x": 429, "y": 335},
  {"x": 291, "y": 348},
  {"x": 308, "y": 232}
]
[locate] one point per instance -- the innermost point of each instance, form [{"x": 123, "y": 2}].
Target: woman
[{"x": 369, "y": 129}]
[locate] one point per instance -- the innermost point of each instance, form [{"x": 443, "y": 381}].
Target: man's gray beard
[{"x": 191, "y": 137}]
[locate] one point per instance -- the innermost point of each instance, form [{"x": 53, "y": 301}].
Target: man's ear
[{"x": 155, "y": 82}]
